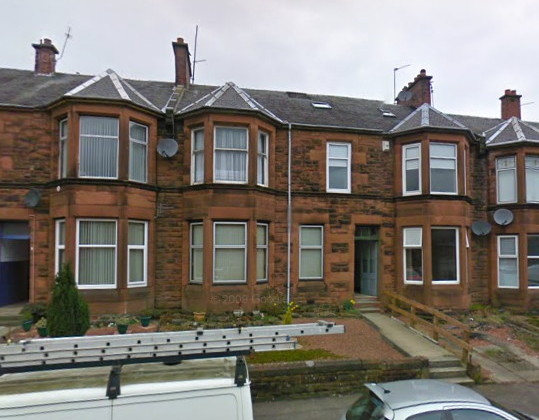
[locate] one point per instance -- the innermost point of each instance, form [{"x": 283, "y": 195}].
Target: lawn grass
[{"x": 299, "y": 355}]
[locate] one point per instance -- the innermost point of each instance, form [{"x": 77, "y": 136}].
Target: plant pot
[
  {"x": 199, "y": 316},
  {"x": 238, "y": 312},
  {"x": 145, "y": 320},
  {"x": 256, "y": 312},
  {"x": 27, "y": 325},
  {"x": 122, "y": 328},
  {"x": 42, "y": 331}
]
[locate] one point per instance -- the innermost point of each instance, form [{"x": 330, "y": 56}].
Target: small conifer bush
[{"x": 67, "y": 314}]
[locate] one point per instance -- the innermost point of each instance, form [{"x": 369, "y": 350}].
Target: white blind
[
  {"x": 98, "y": 147},
  {"x": 97, "y": 253},
  {"x": 231, "y": 154},
  {"x": 138, "y": 143}
]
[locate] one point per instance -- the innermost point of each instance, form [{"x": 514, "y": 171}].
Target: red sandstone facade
[{"x": 319, "y": 212}]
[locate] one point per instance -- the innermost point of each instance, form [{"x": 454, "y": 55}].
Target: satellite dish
[
  {"x": 404, "y": 95},
  {"x": 503, "y": 217},
  {"x": 32, "y": 197},
  {"x": 481, "y": 227},
  {"x": 167, "y": 147}
]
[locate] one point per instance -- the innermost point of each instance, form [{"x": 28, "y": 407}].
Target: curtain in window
[
  {"x": 136, "y": 246},
  {"x": 506, "y": 179},
  {"x": 97, "y": 253},
  {"x": 262, "y": 162},
  {"x": 229, "y": 252},
  {"x": 196, "y": 253},
  {"x": 98, "y": 147},
  {"x": 532, "y": 179},
  {"x": 198, "y": 156},
  {"x": 338, "y": 167},
  {"x": 311, "y": 252},
  {"x": 231, "y": 154},
  {"x": 507, "y": 262},
  {"x": 261, "y": 252},
  {"x": 137, "y": 152}
]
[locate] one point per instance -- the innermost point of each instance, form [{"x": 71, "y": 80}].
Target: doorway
[
  {"x": 366, "y": 260},
  {"x": 14, "y": 262}
]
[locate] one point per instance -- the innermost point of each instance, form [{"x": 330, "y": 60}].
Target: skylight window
[
  {"x": 386, "y": 113},
  {"x": 321, "y": 105}
]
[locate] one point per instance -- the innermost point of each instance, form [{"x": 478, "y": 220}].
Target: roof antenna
[
  {"x": 68, "y": 35},
  {"x": 195, "y": 61},
  {"x": 395, "y": 70}
]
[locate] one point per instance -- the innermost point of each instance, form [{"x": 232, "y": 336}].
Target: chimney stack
[
  {"x": 510, "y": 104},
  {"x": 182, "y": 62},
  {"x": 45, "y": 57},
  {"x": 417, "y": 92}
]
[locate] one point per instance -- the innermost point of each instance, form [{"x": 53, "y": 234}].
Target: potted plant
[
  {"x": 199, "y": 316},
  {"x": 41, "y": 326},
  {"x": 122, "y": 324},
  {"x": 27, "y": 322},
  {"x": 145, "y": 320},
  {"x": 238, "y": 312}
]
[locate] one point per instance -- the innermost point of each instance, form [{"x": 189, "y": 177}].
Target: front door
[
  {"x": 14, "y": 262},
  {"x": 366, "y": 261}
]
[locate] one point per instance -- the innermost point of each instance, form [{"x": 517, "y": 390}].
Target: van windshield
[{"x": 367, "y": 407}]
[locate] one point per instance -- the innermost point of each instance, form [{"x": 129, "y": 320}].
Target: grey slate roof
[
  {"x": 511, "y": 131},
  {"x": 25, "y": 89}
]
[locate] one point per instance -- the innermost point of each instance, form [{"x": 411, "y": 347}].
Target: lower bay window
[
  {"x": 311, "y": 252},
  {"x": 137, "y": 253},
  {"x": 413, "y": 255},
  {"x": 508, "y": 261},
  {"x": 533, "y": 261},
  {"x": 60, "y": 244},
  {"x": 230, "y": 252},
  {"x": 196, "y": 253},
  {"x": 445, "y": 255},
  {"x": 261, "y": 252}
]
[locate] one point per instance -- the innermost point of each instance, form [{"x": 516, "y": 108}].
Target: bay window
[
  {"x": 261, "y": 252},
  {"x": 338, "y": 167},
  {"x": 413, "y": 255},
  {"x": 532, "y": 179},
  {"x": 443, "y": 168},
  {"x": 508, "y": 261},
  {"x": 62, "y": 149},
  {"x": 96, "y": 254},
  {"x": 445, "y": 255},
  {"x": 196, "y": 252},
  {"x": 533, "y": 261},
  {"x": 98, "y": 147},
  {"x": 60, "y": 244},
  {"x": 262, "y": 159},
  {"x": 137, "y": 253},
  {"x": 411, "y": 172},
  {"x": 230, "y": 252},
  {"x": 197, "y": 157},
  {"x": 311, "y": 252},
  {"x": 230, "y": 155},
  {"x": 506, "y": 179},
  {"x": 138, "y": 145}
]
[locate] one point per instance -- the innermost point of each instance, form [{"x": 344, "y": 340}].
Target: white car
[{"x": 425, "y": 399}]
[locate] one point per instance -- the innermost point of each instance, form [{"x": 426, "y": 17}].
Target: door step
[
  {"x": 367, "y": 304},
  {"x": 449, "y": 370}
]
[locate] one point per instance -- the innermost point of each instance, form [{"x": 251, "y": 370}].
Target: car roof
[{"x": 407, "y": 393}]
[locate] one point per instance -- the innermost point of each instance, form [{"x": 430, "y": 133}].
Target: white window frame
[
  {"x": 457, "y": 255},
  {"x": 514, "y": 171},
  {"x": 245, "y": 151},
  {"x": 455, "y": 159},
  {"x": 262, "y": 160},
  {"x": 57, "y": 245},
  {"x": 100, "y": 286},
  {"x": 408, "y": 245},
  {"x": 404, "y": 172},
  {"x": 244, "y": 247},
  {"x": 528, "y": 168},
  {"x": 193, "y": 247},
  {"x": 144, "y": 248},
  {"x": 117, "y": 138},
  {"x": 193, "y": 156},
  {"x": 145, "y": 144},
  {"x": 507, "y": 256},
  {"x": 348, "y": 164},
  {"x": 63, "y": 131},
  {"x": 310, "y": 247},
  {"x": 534, "y": 257},
  {"x": 264, "y": 247}
]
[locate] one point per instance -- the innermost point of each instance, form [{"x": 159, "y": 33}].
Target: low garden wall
[{"x": 327, "y": 377}]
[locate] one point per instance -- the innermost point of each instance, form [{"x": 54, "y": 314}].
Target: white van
[{"x": 200, "y": 389}]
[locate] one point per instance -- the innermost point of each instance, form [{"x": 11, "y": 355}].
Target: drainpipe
[{"x": 289, "y": 215}]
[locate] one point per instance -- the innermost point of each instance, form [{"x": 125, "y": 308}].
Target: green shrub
[
  {"x": 272, "y": 302},
  {"x": 34, "y": 311},
  {"x": 68, "y": 313}
]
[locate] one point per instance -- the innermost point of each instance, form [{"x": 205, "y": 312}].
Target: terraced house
[{"x": 169, "y": 194}]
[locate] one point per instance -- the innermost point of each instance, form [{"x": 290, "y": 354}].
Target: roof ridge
[
  {"x": 502, "y": 126},
  {"x": 115, "y": 79}
]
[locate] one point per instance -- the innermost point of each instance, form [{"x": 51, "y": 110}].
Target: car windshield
[{"x": 367, "y": 407}]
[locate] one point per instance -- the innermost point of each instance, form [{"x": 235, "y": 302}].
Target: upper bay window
[
  {"x": 98, "y": 146},
  {"x": 532, "y": 179},
  {"x": 411, "y": 163},
  {"x": 506, "y": 179},
  {"x": 443, "y": 168},
  {"x": 138, "y": 152},
  {"x": 197, "y": 157},
  {"x": 338, "y": 167},
  {"x": 62, "y": 149},
  {"x": 230, "y": 155},
  {"x": 262, "y": 159}
]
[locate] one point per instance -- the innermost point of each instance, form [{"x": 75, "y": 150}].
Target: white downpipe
[{"x": 289, "y": 216}]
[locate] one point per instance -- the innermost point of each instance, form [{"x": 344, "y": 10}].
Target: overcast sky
[{"x": 474, "y": 49}]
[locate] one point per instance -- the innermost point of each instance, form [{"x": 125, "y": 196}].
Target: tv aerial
[
  {"x": 32, "y": 198},
  {"x": 503, "y": 217},
  {"x": 167, "y": 147},
  {"x": 481, "y": 227}
]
